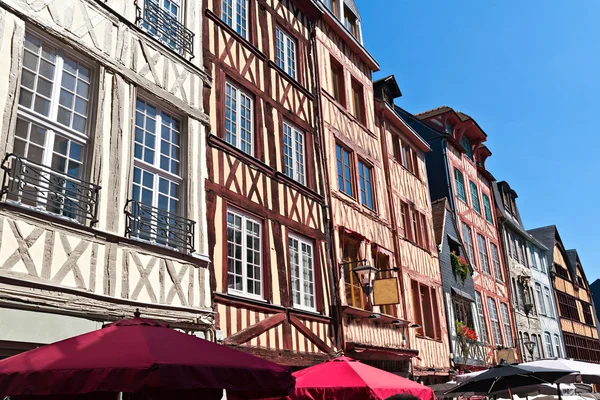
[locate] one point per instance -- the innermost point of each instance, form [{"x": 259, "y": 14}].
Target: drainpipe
[{"x": 325, "y": 189}]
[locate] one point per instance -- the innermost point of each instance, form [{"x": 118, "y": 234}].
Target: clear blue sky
[{"x": 529, "y": 73}]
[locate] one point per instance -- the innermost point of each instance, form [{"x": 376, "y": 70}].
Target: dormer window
[
  {"x": 333, "y": 6},
  {"x": 350, "y": 22},
  {"x": 466, "y": 144},
  {"x": 449, "y": 128}
]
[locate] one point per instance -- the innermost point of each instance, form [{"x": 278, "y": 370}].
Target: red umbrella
[
  {"x": 348, "y": 379},
  {"x": 140, "y": 356}
]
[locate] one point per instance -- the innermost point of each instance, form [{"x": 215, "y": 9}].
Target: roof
[
  {"x": 351, "y": 4},
  {"x": 433, "y": 112},
  {"x": 391, "y": 84},
  {"x": 444, "y": 109}
]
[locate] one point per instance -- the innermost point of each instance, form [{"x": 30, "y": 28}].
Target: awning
[{"x": 462, "y": 293}]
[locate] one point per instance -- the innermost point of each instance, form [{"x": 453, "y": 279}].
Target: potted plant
[
  {"x": 466, "y": 337},
  {"x": 460, "y": 266}
]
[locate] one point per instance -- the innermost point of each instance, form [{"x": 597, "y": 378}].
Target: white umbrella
[{"x": 589, "y": 372}]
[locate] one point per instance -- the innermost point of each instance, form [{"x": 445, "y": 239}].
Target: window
[
  {"x": 405, "y": 213},
  {"x": 235, "y": 14},
  {"x": 285, "y": 49},
  {"x": 487, "y": 207},
  {"x": 344, "y": 170},
  {"x": 540, "y": 299},
  {"x": 239, "y": 124},
  {"x": 244, "y": 261},
  {"x": 350, "y": 22},
  {"x": 410, "y": 159},
  {"x": 302, "y": 272},
  {"x": 513, "y": 248},
  {"x": 506, "y": 321},
  {"x": 424, "y": 239},
  {"x": 466, "y": 145},
  {"x": 495, "y": 321},
  {"x": 483, "y": 255},
  {"x": 366, "y": 186},
  {"x": 396, "y": 145},
  {"x": 475, "y": 197},
  {"x": 358, "y": 101},
  {"x": 164, "y": 21},
  {"x": 587, "y": 313},
  {"x": 425, "y": 306},
  {"x": 52, "y": 131},
  {"x": 561, "y": 271},
  {"x": 382, "y": 262},
  {"x": 549, "y": 351},
  {"x": 337, "y": 81},
  {"x": 449, "y": 128},
  {"x": 548, "y": 302},
  {"x": 460, "y": 185},
  {"x": 496, "y": 262},
  {"x": 468, "y": 238},
  {"x": 557, "y": 346},
  {"x": 567, "y": 306},
  {"x": 482, "y": 323},
  {"x": 293, "y": 152},
  {"x": 333, "y": 6},
  {"x": 354, "y": 294}
]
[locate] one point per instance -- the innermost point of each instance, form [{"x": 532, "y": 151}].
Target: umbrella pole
[
  {"x": 559, "y": 394},
  {"x": 509, "y": 392}
]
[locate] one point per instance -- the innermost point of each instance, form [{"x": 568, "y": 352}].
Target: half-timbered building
[
  {"x": 573, "y": 299},
  {"x": 102, "y": 207},
  {"x": 403, "y": 159},
  {"x": 264, "y": 188},
  {"x": 456, "y": 171}
]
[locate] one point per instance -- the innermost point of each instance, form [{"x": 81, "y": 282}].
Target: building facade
[
  {"x": 572, "y": 296},
  {"x": 265, "y": 193},
  {"x": 529, "y": 284},
  {"x": 403, "y": 152},
  {"x": 456, "y": 171},
  {"x": 102, "y": 206}
]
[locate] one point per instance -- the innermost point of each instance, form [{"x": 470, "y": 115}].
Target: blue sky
[{"x": 529, "y": 73}]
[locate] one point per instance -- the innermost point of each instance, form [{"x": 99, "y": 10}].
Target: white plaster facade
[{"x": 81, "y": 273}]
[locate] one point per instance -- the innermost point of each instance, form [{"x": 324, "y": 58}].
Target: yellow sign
[{"x": 385, "y": 291}]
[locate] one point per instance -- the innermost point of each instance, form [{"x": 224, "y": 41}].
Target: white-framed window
[
  {"x": 235, "y": 14},
  {"x": 302, "y": 272},
  {"x": 495, "y": 321},
  {"x": 496, "y": 262},
  {"x": 557, "y": 346},
  {"x": 481, "y": 315},
  {"x": 506, "y": 322},
  {"x": 53, "y": 123},
  {"x": 294, "y": 152},
  {"x": 239, "y": 118},
  {"x": 548, "y": 339},
  {"x": 244, "y": 255},
  {"x": 468, "y": 238},
  {"x": 157, "y": 180},
  {"x": 285, "y": 50},
  {"x": 548, "y": 301},
  {"x": 483, "y": 254},
  {"x": 540, "y": 299}
]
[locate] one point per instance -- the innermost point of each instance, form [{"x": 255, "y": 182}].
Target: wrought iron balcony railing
[
  {"x": 165, "y": 27},
  {"x": 468, "y": 352},
  {"x": 157, "y": 226},
  {"x": 45, "y": 189}
]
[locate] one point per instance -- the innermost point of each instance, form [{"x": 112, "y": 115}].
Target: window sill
[
  {"x": 292, "y": 80},
  {"x": 409, "y": 171},
  {"x": 245, "y": 296},
  {"x": 348, "y": 114},
  {"x": 415, "y": 244},
  {"x": 215, "y": 18},
  {"x": 283, "y": 178}
]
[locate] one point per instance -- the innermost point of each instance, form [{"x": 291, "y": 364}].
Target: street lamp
[{"x": 365, "y": 274}]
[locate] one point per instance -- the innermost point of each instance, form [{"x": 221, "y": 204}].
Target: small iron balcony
[
  {"x": 47, "y": 190},
  {"x": 165, "y": 27},
  {"x": 157, "y": 226}
]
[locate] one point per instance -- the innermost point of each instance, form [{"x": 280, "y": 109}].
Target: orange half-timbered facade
[
  {"x": 403, "y": 155},
  {"x": 264, "y": 195},
  {"x": 457, "y": 171}
]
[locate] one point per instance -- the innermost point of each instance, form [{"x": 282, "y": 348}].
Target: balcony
[
  {"x": 156, "y": 226},
  {"x": 44, "y": 189},
  {"x": 165, "y": 27},
  {"x": 468, "y": 352}
]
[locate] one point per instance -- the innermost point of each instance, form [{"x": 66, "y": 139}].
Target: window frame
[
  {"x": 353, "y": 22},
  {"x": 506, "y": 324},
  {"x": 487, "y": 208},
  {"x": 468, "y": 148},
  {"x": 245, "y": 217},
  {"x": 349, "y": 277},
  {"x": 460, "y": 189},
  {"x": 475, "y": 197},
  {"x": 540, "y": 297},
  {"x": 496, "y": 262},
  {"x": 301, "y": 240},
  {"x": 296, "y": 175},
  {"x": 357, "y": 108},
  {"x": 549, "y": 349},
  {"x": 290, "y": 65},
  {"x": 496, "y": 330},
  {"x": 470, "y": 249},
  {"x": 241, "y": 91},
  {"x": 483, "y": 254},
  {"x": 234, "y": 17},
  {"x": 338, "y": 83},
  {"x": 548, "y": 300},
  {"x": 483, "y": 334},
  {"x": 349, "y": 167},
  {"x": 366, "y": 185}
]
